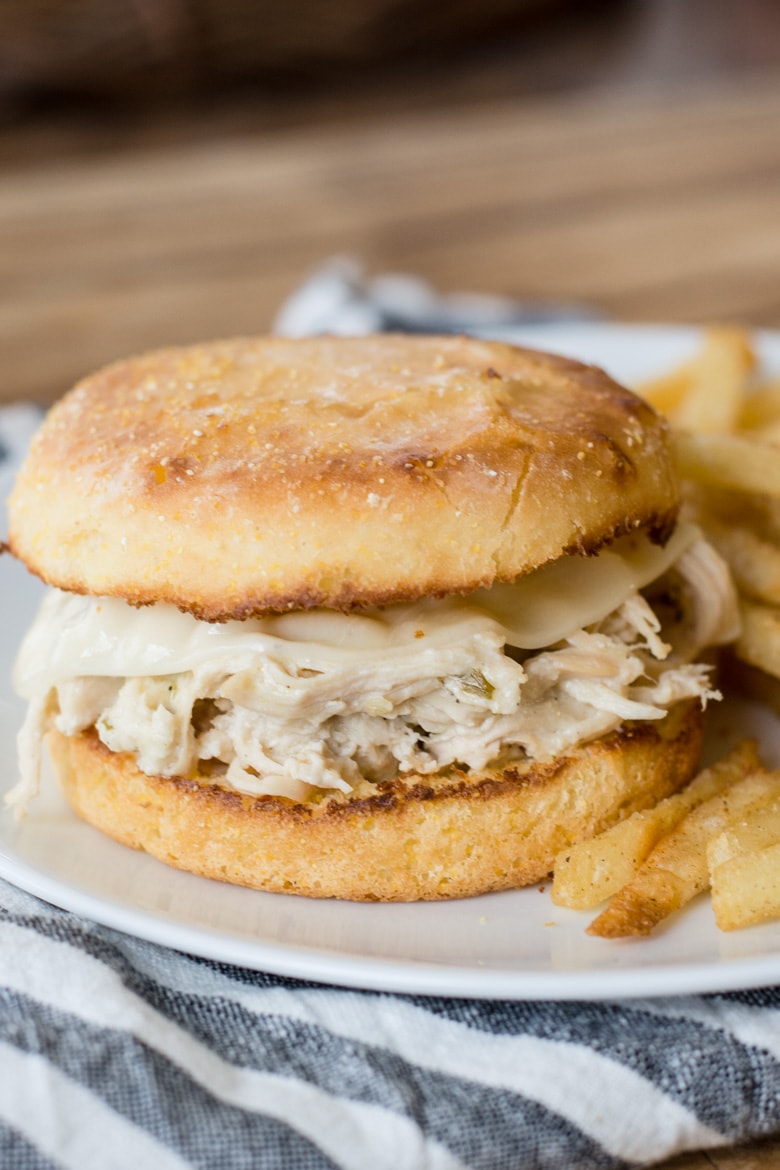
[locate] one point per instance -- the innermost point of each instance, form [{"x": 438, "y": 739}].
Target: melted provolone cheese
[{"x": 76, "y": 636}]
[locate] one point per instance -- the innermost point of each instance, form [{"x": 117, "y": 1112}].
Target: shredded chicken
[{"x": 268, "y": 727}]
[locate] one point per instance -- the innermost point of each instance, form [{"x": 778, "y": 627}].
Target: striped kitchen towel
[{"x": 117, "y": 1053}]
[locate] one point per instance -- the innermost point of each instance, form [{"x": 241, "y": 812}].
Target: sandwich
[{"x": 379, "y": 618}]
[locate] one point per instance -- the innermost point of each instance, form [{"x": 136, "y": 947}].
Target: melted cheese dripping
[
  {"x": 284, "y": 705},
  {"x": 76, "y": 635}
]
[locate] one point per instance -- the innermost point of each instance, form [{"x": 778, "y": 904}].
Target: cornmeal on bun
[{"x": 375, "y": 618}]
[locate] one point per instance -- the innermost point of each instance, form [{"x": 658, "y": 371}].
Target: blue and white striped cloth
[{"x": 117, "y": 1054}]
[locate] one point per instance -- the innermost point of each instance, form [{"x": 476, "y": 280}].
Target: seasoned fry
[
  {"x": 593, "y": 870},
  {"x": 757, "y": 828},
  {"x": 769, "y": 432},
  {"x": 718, "y": 380},
  {"x": 746, "y": 889},
  {"x": 750, "y": 681},
  {"x": 676, "y": 870},
  {"x": 667, "y": 392},
  {"x": 761, "y": 407},
  {"x": 727, "y": 821},
  {"x": 759, "y": 641},
  {"x": 752, "y": 510},
  {"x": 730, "y": 461},
  {"x": 744, "y": 863},
  {"x": 754, "y": 563}
]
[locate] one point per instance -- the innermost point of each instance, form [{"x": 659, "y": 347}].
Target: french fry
[
  {"x": 750, "y": 681},
  {"x": 752, "y": 510},
  {"x": 718, "y": 381},
  {"x": 761, "y": 407},
  {"x": 759, "y": 640},
  {"x": 746, "y": 889},
  {"x": 728, "y": 461},
  {"x": 754, "y": 562},
  {"x": 593, "y": 870},
  {"x": 744, "y": 864},
  {"x": 757, "y": 828},
  {"x": 769, "y": 432},
  {"x": 727, "y": 443},
  {"x": 667, "y": 392},
  {"x": 676, "y": 869}
]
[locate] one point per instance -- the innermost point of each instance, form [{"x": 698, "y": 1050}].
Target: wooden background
[
  {"x": 649, "y": 193},
  {"x": 647, "y": 204}
]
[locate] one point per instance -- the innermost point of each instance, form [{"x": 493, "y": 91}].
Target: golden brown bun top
[{"x": 265, "y": 474}]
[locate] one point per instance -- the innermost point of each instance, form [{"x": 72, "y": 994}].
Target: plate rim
[{"x": 407, "y": 977}]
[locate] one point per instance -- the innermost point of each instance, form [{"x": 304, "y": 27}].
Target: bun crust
[
  {"x": 260, "y": 475},
  {"x": 447, "y": 836}
]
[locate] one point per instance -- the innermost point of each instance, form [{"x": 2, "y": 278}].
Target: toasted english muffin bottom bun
[
  {"x": 417, "y": 838},
  {"x": 258, "y": 475}
]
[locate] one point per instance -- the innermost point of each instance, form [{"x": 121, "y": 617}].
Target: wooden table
[
  {"x": 661, "y": 208},
  {"x": 112, "y": 241}
]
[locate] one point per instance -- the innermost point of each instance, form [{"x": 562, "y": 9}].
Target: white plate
[{"x": 511, "y": 946}]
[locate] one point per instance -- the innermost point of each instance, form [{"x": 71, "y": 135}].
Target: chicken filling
[{"x": 259, "y": 723}]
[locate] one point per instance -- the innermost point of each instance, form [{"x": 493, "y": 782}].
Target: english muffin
[{"x": 375, "y": 618}]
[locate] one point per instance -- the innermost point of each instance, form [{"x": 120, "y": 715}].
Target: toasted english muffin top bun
[{"x": 250, "y": 476}]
